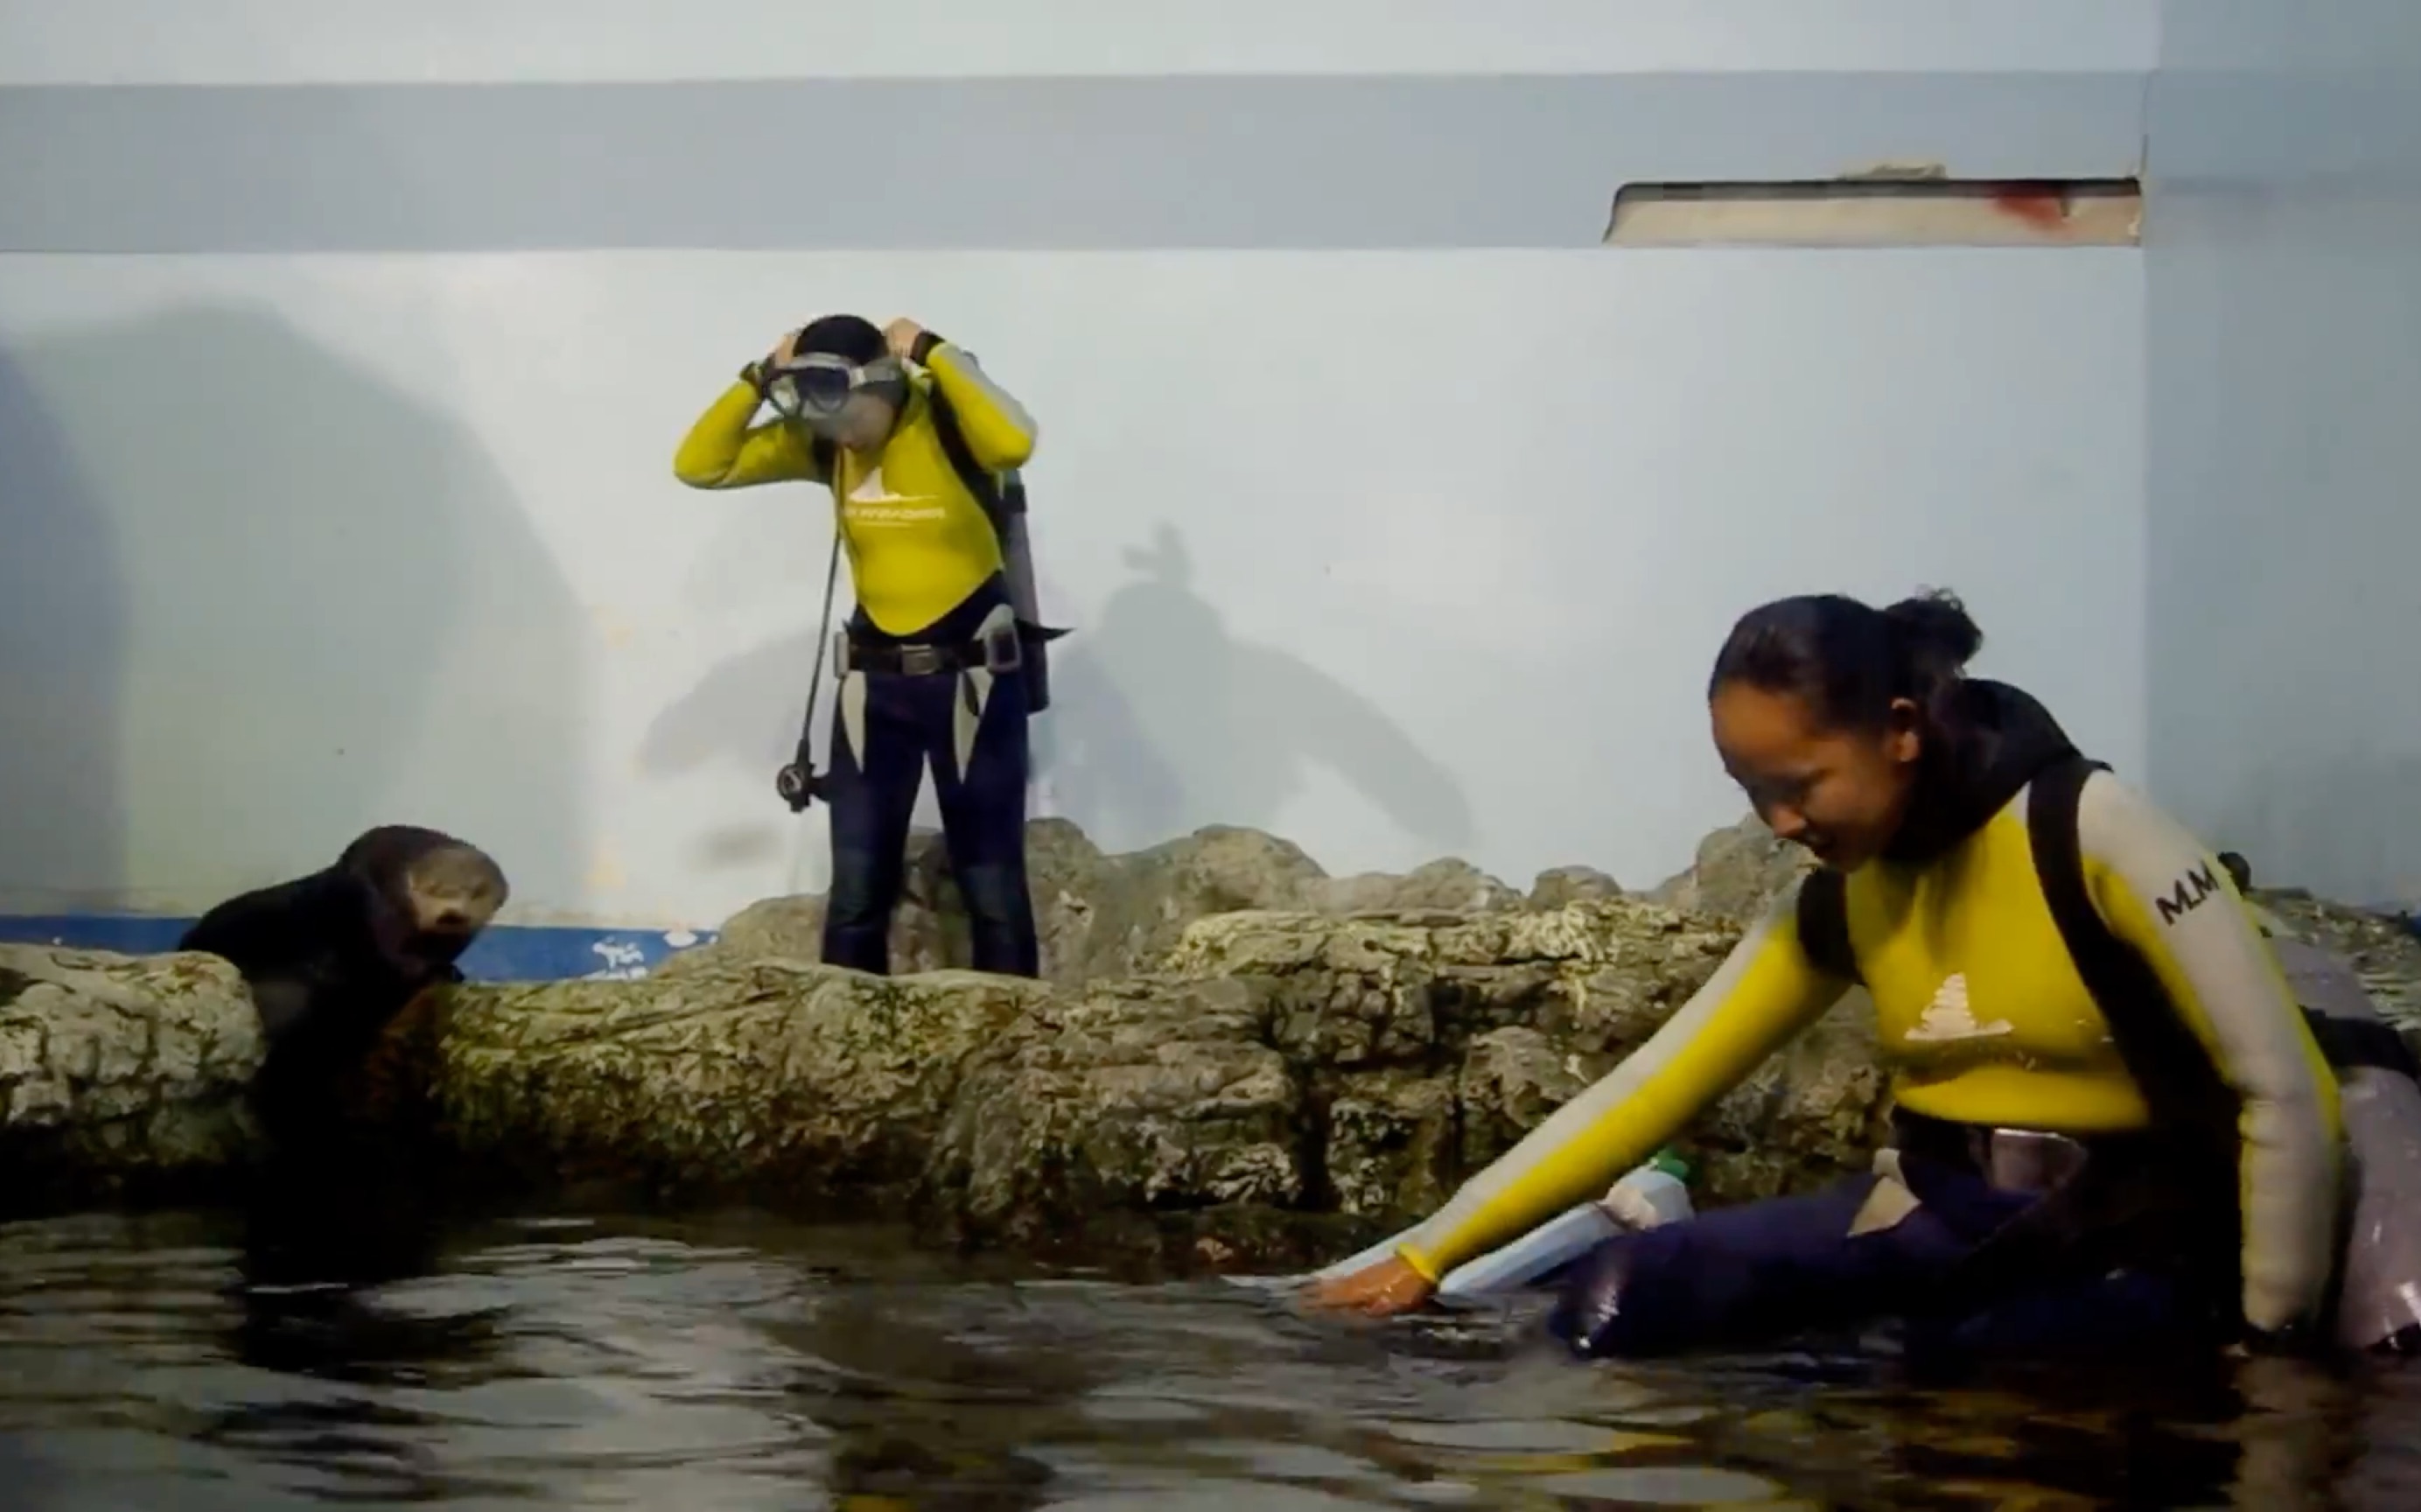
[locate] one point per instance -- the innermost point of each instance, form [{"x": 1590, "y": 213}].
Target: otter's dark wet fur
[{"x": 333, "y": 957}]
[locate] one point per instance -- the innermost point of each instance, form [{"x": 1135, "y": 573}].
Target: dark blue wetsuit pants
[
  {"x": 1761, "y": 1273},
  {"x": 910, "y": 721}
]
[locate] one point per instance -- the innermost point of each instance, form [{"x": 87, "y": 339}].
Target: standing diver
[
  {"x": 902, "y": 427},
  {"x": 2056, "y": 1174}
]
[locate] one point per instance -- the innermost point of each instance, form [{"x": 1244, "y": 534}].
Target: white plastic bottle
[
  {"x": 1649, "y": 1198},
  {"x": 1645, "y": 1197}
]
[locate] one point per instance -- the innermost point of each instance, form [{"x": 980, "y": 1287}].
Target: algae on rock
[
  {"x": 1287, "y": 1061},
  {"x": 120, "y": 1072},
  {"x": 1236, "y": 1057},
  {"x": 2383, "y": 950},
  {"x": 1297, "y": 1062}
]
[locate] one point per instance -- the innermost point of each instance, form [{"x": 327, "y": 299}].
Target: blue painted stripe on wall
[
  {"x": 508, "y": 953},
  {"x": 1074, "y": 164}
]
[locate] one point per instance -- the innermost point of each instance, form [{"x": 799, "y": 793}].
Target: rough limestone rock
[
  {"x": 1287, "y": 1083},
  {"x": 2383, "y": 949},
  {"x": 1559, "y": 885},
  {"x": 1445, "y": 1040},
  {"x": 1442, "y": 886},
  {"x": 119, "y": 1071},
  {"x": 1103, "y": 916},
  {"x": 1117, "y": 916},
  {"x": 1239, "y": 1059},
  {"x": 1099, "y": 916},
  {"x": 1282, "y": 1062},
  {"x": 1737, "y": 871}
]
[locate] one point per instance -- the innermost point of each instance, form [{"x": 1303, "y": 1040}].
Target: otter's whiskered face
[
  {"x": 452, "y": 895},
  {"x": 434, "y": 893}
]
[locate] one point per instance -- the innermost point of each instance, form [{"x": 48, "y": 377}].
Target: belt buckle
[
  {"x": 920, "y": 660},
  {"x": 2029, "y": 1160},
  {"x": 1003, "y": 650}
]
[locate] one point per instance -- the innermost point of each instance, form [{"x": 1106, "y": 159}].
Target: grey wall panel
[{"x": 1007, "y": 164}]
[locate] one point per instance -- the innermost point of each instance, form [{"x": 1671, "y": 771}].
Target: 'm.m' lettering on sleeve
[{"x": 2186, "y": 893}]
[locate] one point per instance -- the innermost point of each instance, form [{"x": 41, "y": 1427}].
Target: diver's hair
[
  {"x": 1849, "y": 660},
  {"x": 851, "y": 338}
]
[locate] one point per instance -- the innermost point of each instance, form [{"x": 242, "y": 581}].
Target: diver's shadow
[
  {"x": 1160, "y": 722},
  {"x": 1167, "y": 723}
]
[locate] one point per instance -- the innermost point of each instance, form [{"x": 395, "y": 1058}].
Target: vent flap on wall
[{"x": 1882, "y": 209}]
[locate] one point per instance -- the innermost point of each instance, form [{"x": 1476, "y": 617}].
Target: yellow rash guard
[
  {"x": 918, "y": 543},
  {"x": 1981, "y": 1019}
]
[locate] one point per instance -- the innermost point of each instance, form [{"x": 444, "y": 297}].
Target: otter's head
[
  {"x": 437, "y": 893},
  {"x": 455, "y": 890}
]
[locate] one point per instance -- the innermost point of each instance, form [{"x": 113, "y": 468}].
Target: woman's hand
[
  {"x": 1379, "y": 1291},
  {"x": 901, "y": 336}
]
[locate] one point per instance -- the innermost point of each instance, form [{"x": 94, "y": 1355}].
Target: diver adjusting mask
[{"x": 818, "y": 385}]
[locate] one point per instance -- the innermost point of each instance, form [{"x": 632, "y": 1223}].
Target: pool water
[{"x": 179, "y": 1362}]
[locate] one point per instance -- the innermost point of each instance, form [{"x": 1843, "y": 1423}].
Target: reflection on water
[{"x": 194, "y": 1362}]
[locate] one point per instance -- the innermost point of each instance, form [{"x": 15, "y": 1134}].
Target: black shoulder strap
[
  {"x": 2120, "y": 981},
  {"x": 1824, "y": 924},
  {"x": 980, "y": 481},
  {"x": 2167, "y": 1063}
]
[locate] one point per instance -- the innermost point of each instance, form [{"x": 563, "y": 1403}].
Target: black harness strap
[
  {"x": 2182, "y": 1087},
  {"x": 978, "y": 480},
  {"x": 1002, "y": 503},
  {"x": 2126, "y": 989},
  {"x": 1824, "y": 925}
]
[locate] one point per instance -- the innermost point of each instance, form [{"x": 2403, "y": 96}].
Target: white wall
[
  {"x": 1394, "y": 514},
  {"x": 364, "y": 539},
  {"x": 2283, "y": 250}
]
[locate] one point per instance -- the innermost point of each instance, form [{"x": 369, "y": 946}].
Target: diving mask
[{"x": 816, "y": 386}]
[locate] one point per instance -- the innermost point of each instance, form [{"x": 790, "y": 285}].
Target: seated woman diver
[{"x": 2055, "y": 1177}]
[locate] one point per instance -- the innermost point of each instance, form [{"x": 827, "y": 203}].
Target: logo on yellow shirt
[
  {"x": 1948, "y": 1018},
  {"x": 872, "y": 503}
]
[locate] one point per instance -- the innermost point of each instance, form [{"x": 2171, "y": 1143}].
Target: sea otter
[{"x": 333, "y": 957}]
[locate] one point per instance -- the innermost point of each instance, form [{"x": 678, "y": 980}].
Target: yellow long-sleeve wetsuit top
[
  {"x": 919, "y": 544},
  {"x": 1982, "y": 1019}
]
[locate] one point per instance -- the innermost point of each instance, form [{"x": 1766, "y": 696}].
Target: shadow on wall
[
  {"x": 258, "y": 599},
  {"x": 62, "y": 664},
  {"x": 1160, "y": 722},
  {"x": 1165, "y": 723}
]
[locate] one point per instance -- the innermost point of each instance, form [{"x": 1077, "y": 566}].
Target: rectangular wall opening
[{"x": 1881, "y": 210}]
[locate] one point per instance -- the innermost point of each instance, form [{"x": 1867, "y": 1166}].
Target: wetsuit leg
[
  {"x": 1764, "y": 1270},
  {"x": 983, "y": 819},
  {"x": 873, "y": 796},
  {"x": 2126, "y": 1313}
]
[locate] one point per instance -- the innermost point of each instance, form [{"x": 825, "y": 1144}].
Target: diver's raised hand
[
  {"x": 1381, "y": 1290},
  {"x": 909, "y": 342},
  {"x": 755, "y": 374},
  {"x": 902, "y": 337}
]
